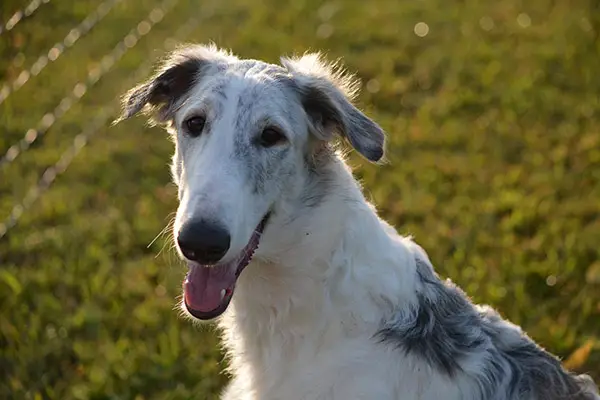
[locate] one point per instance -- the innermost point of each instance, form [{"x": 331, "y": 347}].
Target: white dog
[{"x": 316, "y": 296}]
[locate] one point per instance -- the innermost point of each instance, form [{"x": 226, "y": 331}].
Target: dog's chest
[{"x": 351, "y": 369}]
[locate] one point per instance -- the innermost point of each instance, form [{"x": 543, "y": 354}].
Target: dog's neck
[{"x": 298, "y": 288}]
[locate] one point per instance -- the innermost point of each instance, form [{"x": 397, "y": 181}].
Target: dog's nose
[{"x": 202, "y": 241}]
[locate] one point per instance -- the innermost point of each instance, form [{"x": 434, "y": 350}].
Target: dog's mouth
[{"x": 208, "y": 289}]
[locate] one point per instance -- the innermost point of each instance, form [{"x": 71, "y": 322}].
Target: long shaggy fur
[{"x": 335, "y": 303}]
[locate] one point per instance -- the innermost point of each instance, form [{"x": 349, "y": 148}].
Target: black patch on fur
[
  {"x": 163, "y": 91},
  {"x": 532, "y": 370},
  {"x": 439, "y": 329},
  {"x": 331, "y": 112},
  {"x": 444, "y": 329},
  {"x": 321, "y": 109}
]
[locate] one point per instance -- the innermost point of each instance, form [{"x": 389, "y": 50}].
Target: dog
[{"x": 316, "y": 296}]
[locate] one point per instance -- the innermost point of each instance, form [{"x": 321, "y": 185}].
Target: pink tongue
[{"x": 203, "y": 285}]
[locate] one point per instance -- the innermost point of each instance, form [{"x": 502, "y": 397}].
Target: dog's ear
[
  {"x": 326, "y": 94},
  {"x": 176, "y": 75}
]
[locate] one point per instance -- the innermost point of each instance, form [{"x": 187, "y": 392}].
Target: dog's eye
[
  {"x": 270, "y": 137},
  {"x": 195, "y": 126}
]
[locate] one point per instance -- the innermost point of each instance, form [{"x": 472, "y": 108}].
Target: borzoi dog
[{"x": 315, "y": 295}]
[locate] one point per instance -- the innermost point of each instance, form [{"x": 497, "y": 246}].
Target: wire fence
[
  {"x": 94, "y": 76},
  {"x": 104, "y": 115},
  {"x": 59, "y": 48},
  {"x": 21, "y": 14}
]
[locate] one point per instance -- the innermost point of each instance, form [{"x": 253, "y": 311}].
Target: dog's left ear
[
  {"x": 179, "y": 72},
  {"x": 326, "y": 95}
]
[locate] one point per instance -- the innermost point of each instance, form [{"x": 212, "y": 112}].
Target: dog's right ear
[{"x": 179, "y": 72}]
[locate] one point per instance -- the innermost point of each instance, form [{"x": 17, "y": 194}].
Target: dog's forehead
[
  {"x": 250, "y": 84},
  {"x": 256, "y": 69}
]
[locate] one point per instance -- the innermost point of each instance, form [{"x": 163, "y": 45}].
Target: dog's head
[{"x": 247, "y": 136}]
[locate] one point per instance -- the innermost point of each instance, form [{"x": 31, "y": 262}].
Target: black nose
[{"x": 203, "y": 241}]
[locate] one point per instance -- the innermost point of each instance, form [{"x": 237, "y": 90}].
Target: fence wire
[
  {"x": 21, "y": 14},
  {"x": 59, "y": 48},
  {"x": 94, "y": 76}
]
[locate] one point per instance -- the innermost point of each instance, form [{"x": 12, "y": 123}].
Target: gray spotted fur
[{"x": 471, "y": 342}]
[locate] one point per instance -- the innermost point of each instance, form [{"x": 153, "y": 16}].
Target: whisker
[
  {"x": 172, "y": 216},
  {"x": 169, "y": 227},
  {"x": 157, "y": 236}
]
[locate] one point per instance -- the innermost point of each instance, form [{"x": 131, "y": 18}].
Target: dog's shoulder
[{"x": 474, "y": 344}]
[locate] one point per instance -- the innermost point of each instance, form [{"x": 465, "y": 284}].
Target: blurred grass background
[{"x": 493, "y": 114}]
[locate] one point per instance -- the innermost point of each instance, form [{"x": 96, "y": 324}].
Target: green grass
[{"x": 494, "y": 125}]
